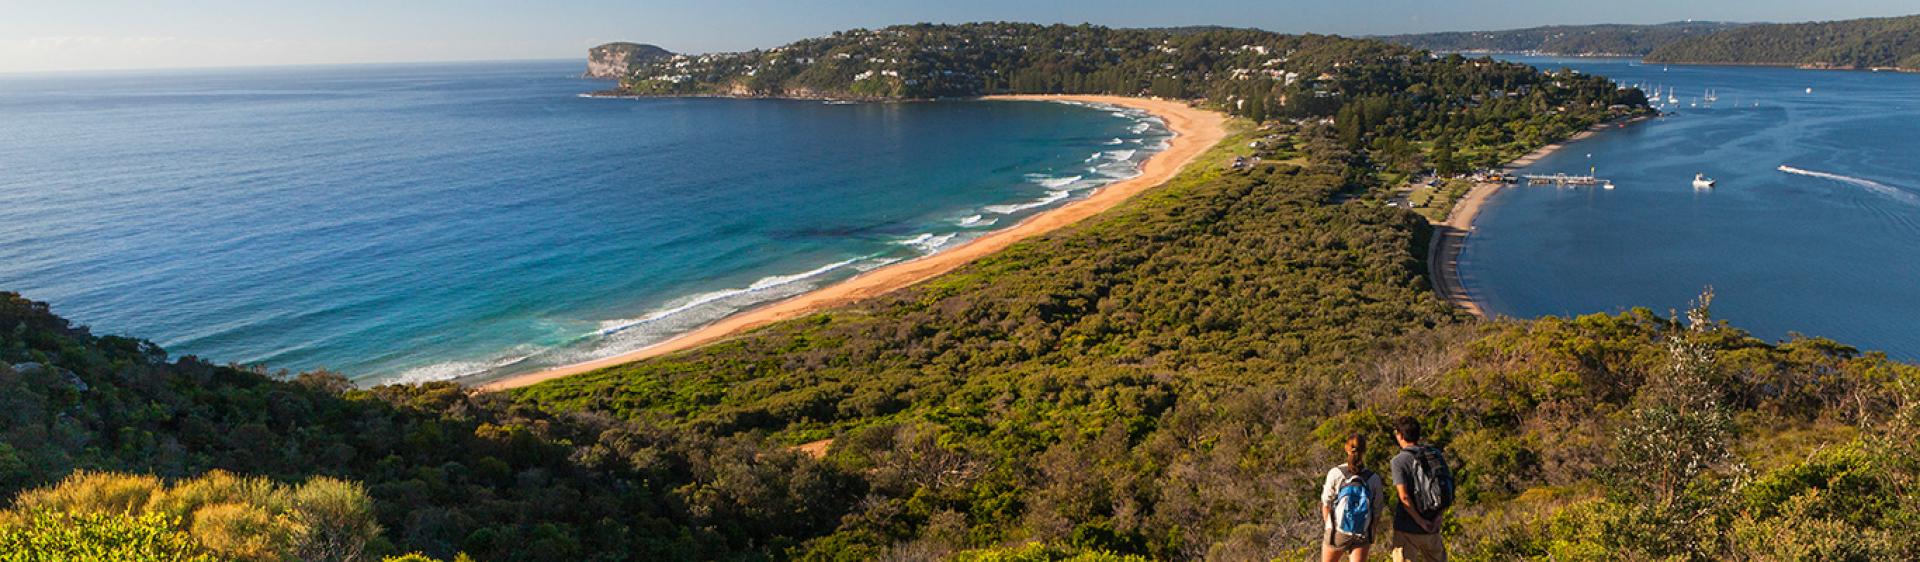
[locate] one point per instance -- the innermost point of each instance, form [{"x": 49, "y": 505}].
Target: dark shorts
[{"x": 1327, "y": 539}]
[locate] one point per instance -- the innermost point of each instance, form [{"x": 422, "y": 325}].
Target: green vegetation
[
  {"x": 217, "y": 516},
  {"x": 447, "y": 472},
  {"x": 1164, "y": 381},
  {"x": 1436, "y": 202},
  {"x": 1857, "y": 44},
  {"x": 1564, "y": 40}
]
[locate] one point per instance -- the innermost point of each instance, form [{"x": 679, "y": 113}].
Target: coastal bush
[
  {"x": 1164, "y": 381},
  {"x": 53, "y": 535},
  {"x": 220, "y": 514}
]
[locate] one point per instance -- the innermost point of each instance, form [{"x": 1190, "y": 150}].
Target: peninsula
[{"x": 1164, "y": 370}]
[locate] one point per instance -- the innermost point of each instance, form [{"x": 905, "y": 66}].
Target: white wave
[
  {"x": 1115, "y": 141},
  {"x": 1117, "y": 170},
  {"x": 1138, "y": 128},
  {"x": 765, "y": 283},
  {"x": 1053, "y": 182},
  {"x": 454, "y": 369},
  {"x": 872, "y": 264},
  {"x": 1895, "y": 193},
  {"x": 1124, "y": 154},
  {"x": 1049, "y": 199},
  {"x": 977, "y": 220},
  {"x": 927, "y": 242}
]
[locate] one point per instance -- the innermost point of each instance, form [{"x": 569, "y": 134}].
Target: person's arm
[
  {"x": 1326, "y": 500},
  {"x": 1406, "y": 501}
]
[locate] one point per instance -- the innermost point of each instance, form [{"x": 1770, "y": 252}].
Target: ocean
[
  {"x": 404, "y": 223},
  {"x": 1812, "y": 228}
]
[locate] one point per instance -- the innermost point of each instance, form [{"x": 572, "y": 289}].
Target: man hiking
[
  {"x": 1424, "y": 486},
  {"x": 1350, "y": 504}
]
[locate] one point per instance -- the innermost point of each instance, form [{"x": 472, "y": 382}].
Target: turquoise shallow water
[
  {"x": 1830, "y": 247},
  {"x": 417, "y": 222}
]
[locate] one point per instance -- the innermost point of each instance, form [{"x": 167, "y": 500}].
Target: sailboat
[{"x": 1711, "y": 97}]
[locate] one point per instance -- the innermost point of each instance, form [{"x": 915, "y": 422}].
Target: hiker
[
  {"x": 1424, "y": 488},
  {"x": 1350, "y": 504}
]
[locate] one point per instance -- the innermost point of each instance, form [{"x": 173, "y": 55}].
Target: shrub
[{"x": 47, "y": 535}]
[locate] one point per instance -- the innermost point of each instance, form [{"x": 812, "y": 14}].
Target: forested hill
[
  {"x": 933, "y": 61},
  {"x": 1850, "y": 44},
  {"x": 1564, "y": 40}
]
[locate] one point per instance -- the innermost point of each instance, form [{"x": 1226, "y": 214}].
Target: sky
[{"x": 52, "y": 35}]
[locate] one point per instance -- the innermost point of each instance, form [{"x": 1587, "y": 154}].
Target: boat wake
[{"x": 1889, "y": 191}]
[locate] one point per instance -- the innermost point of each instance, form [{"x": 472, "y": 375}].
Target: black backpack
[{"x": 1432, "y": 480}]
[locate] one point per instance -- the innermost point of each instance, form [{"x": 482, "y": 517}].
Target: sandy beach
[
  {"x": 1197, "y": 131},
  {"x": 1450, "y": 236}
]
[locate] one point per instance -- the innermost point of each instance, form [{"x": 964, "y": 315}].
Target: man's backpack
[
  {"x": 1353, "y": 507},
  {"x": 1432, "y": 481}
]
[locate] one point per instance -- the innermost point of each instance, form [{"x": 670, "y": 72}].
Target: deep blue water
[
  {"x": 1832, "y": 250},
  {"x": 414, "y": 222}
]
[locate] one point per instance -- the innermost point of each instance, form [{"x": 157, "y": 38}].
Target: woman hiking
[{"x": 1349, "y": 505}]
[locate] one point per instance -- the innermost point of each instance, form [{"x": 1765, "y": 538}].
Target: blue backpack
[{"x": 1353, "y": 509}]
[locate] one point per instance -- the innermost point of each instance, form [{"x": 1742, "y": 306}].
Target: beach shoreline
[
  {"x": 1450, "y": 236},
  {"x": 1195, "y": 132}
]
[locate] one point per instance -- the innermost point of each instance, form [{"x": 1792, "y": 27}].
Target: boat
[
  {"x": 1809, "y": 89},
  {"x": 1672, "y": 99},
  {"x": 1701, "y": 181}
]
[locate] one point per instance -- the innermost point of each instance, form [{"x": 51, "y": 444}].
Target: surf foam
[
  {"x": 614, "y": 326},
  {"x": 1049, "y": 199}
]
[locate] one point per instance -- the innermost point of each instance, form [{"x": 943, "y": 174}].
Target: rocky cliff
[{"x": 615, "y": 60}]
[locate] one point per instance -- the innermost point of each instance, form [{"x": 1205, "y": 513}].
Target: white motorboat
[{"x": 1702, "y": 181}]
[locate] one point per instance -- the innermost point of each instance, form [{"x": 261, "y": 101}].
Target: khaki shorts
[{"x": 1408, "y": 547}]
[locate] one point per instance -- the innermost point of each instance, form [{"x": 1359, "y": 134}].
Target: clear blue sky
[{"x": 108, "y": 34}]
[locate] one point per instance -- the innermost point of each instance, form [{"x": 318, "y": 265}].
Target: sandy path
[{"x": 1198, "y": 130}]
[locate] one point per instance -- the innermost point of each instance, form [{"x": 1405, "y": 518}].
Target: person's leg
[
  {"x": 1408, "y": 547},
  {"x": 1359, "y": 554},
  {"x": 1429, "y": 548},
  {"x": 1397, "y": 547}
]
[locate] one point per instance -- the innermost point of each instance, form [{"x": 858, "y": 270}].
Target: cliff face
[{"x": 614, "y": 60}]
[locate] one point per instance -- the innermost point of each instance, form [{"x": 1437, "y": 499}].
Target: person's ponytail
[{"x": 1356, "y": 449}]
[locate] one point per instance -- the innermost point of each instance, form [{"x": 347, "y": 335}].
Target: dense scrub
[{"x": 448, "y": 472}]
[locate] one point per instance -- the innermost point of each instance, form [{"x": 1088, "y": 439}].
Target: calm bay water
[
  {"x": 417, "y": 222},
  {"x": 1830, "y": 247}
]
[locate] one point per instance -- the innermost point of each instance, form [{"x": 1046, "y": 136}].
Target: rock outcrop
[{"x": 614, "y": 61}]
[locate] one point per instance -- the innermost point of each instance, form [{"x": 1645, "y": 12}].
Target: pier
[{"x": 1564, "y": 179}]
